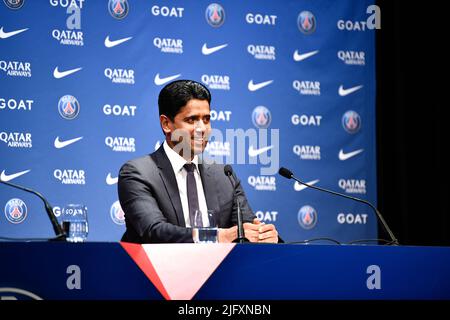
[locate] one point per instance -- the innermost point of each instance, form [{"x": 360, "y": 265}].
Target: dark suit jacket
[{"x": 149, "y": 196}]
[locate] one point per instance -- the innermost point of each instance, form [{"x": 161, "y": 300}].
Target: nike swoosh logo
[
  {"x": 300, "y": 187},
  {"x": 254, "y": 152},
  {"x": 110, "y": 43},
  {"x": 4, "y": 35},
  {"x": 344, "y": 92},
  {"x": 61, "y": 144},
  {"x": 253, "y": 87},
  {"x": 344, "y": 156},
  {"x": 8, "y": 177},
  {"x": 61, "y": 74},
  {"x": 110, "y": 180},
  {"x": 299, "y": 57},
  {"x": 207, "y": 51},
  {"x": 160, "y": 81}
]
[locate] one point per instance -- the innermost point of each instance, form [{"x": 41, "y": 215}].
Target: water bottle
[{"x": 75, "y": 223}]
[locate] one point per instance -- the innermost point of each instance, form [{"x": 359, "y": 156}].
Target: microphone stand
[
  {"x": 241, "y": 235},
  {"x": 241, "y": 238},
  {"x": 289, "y": 175}
]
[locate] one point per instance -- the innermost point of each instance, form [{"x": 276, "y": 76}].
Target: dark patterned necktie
[{"x": 192, "y": 195}]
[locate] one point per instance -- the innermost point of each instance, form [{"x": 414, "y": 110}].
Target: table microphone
[{"x": 289, "y": 175}]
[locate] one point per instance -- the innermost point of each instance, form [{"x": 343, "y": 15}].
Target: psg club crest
[
  {"x": 68, "y": 107},
  {"x": 14, "y": 4},
  {"x": 261, "y": 117},
  {"x": 307, "y": 217},
  {"x": 118, "y": 8},
  {"x": 306, "y": 22},
  {"x": 215, "y": 15},
  {"x": 16, "y": 211},
  {"x": 351, "y": 121},
  {"x": 117, "y": 214}
]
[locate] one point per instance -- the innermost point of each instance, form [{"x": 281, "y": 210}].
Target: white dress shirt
[{"x": 178, "y": 162}]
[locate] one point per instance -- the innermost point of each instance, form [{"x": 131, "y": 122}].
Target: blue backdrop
[{"x": 79, "y": 82}]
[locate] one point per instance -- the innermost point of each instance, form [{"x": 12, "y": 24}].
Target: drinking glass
[
  {"x": 75, "y": 223},
  {"x": 205, "y": 228}
]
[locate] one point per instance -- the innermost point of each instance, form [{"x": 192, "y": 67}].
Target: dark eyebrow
[
  {"x": 193, "y": 117},
  {"x": 196, "y": 117}
]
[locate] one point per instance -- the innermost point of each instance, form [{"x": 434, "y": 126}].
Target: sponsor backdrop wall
[{"x": 79, "y": 82}]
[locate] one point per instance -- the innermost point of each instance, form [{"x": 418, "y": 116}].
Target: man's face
[{"x": 191, "y": 126}]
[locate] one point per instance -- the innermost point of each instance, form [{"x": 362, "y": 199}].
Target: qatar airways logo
[
  {"x": 353, "y": 58},
  {"x": 262, "y": 52},
  {"x": 262, "y": 183},
  {"x": 121, "y": 144},
  {"x": 70, "y": 176},
  {"x": 307, "y": 88},
  {"x": 218, "y": 148},
  {"x": 168, "y": 45},
  {"x": 124, "y": 76},
  {"x": 68, "y": 37},
  {"x": 16, "y": 68},
  {"x": 216, "y": 82},
  {"x": 306, "y": 152},
  {"x": 13, "y": 104},
  {"x": 16, "y": 139},
  {"x": 72, "y": 36},
  {"x": 353, "y": 186}
]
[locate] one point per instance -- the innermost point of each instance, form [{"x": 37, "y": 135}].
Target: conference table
[{"x": 125, "y": 271}]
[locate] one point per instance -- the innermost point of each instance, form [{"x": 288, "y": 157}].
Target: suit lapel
[{"x": 170, "y": 182}]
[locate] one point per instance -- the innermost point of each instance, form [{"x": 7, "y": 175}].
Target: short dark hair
[{"x": 177, "y": 94}]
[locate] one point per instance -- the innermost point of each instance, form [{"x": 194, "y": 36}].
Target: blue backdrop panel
[{"x": 79, "y": 82}]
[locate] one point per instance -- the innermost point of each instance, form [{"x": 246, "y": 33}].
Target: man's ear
[{"x": 166, "y": 124}]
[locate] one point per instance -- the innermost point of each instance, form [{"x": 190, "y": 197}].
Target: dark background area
[{"x": 412, "y": 126}]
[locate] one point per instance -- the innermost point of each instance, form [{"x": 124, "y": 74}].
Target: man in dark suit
[{"x": 160, "y": 191}]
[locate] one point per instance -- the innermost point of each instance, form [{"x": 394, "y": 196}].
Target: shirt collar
[{"x": 176, "y": 160}]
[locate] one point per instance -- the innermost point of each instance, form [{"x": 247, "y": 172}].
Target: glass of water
[
  {"x": 205, "y": 228},
  {"x": 75, "y": 222}
]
